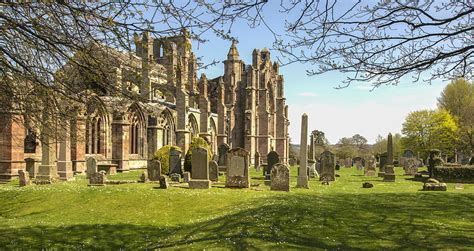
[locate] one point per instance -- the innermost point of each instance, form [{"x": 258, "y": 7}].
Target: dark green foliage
[
  {"x": 195, "y": 143},
  {"x": 462, "y": 173},
  {"x": 163, "y": 155}
]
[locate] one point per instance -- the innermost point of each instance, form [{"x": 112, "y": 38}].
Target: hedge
[
  {"x": 195, "y": 143},
  {"x": 462, "y": 173},
  {"x": 163, "y": 155}
]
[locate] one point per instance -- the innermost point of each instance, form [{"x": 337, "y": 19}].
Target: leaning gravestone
[
  {"x": 223, "y": 149},
  {"x": 280, "y": 178},
  {"x": 213, "y": 171},
  {"x": 175, "y": 161},
  {"x": 328, "y": 172},
  {"x": 272, "y": 159},
  {"x": 200, "y": 171},
  {"x": 383, "y": 162},
  {"x": 154, "y": 170},
  {"x": 91, "y": 164},
  {"x": 238, "y": 169},
  {"x": 24, "y": 177}
]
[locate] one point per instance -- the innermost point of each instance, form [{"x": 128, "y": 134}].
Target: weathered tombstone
[
  {"x": 410, "y": 166},
  {"x": 348, "y": 163},
  {"x": 383, "y": 162},
  {"x": 24, "y": 177},
  {"x": 434, "y": 161},
  {"x": 175, "y": 161},
  {"x": 328, "y": 172},
  {"x": 186, "y": 176},
  {"x": 280, "y": 178},
  {"x": 143, "y": 177},
  {"x": 238, "y": 169},
  {"x": 200, "y": 171},
  {"x": 358, "y": 163},
  {"x": 97, "y": 179},
  {"x": 370, "y": 169},
  {"x": 154, "y": 169},
  {"x": 164, "y": 182},
  {"x": 223, "y": 149},
  {"x": 213, "y": 171},
  {"x": 257, "y": 160},
  {"x": 389, "y": 175},
  {"x": 91, "y": 164},
  {"x": 272, "y": 159},
  {"x": 175, "y": 177},
  {"x": 30, "y": 167}
]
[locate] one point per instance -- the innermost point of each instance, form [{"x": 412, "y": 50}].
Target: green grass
[{"x": 71, "y": 215}]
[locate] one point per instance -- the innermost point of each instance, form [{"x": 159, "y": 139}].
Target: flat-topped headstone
[
  {"x": 280, "y": 178},
  {"x": 328, "y": 172},
  {"x": 238, "y": 168},
  {"x": 200, "y": 169},
  {"x": 91, "y": 164},
  {"x": 272, "y": 159},
  {"x": 175, "y": 161},
  {"x": 213, "y": 171},
  {"x": 154, "y": 170},
  {"x": 223, "y": 149},
  {"x": 24, "y": 177}
]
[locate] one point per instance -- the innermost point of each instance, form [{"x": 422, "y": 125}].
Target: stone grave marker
[
  {"x": 272, "y": 159},
  {"x": 213, "y": 171},
  {"x": 328, "y": 172},
  {"x": 200, "y": 170},
  {"x": 91, "y": 164},
  {"x": 154, "y": 170},
  {"x": 24, "y": 177},
  {"x": 186, "y": 176},
  {"x": 175, "y": 161},
  {"x": 280, "y": 178},
  {"x": 223, "y": 149},
  {"x": 238, "y": 169}
]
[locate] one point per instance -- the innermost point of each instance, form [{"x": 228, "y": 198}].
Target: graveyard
[{"x": 137, "y": 216}]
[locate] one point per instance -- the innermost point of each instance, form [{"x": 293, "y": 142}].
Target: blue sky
[{"x": 338, "y": 113}]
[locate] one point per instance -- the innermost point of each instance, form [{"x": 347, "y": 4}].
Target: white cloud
[{"x": 308, "y": 94}]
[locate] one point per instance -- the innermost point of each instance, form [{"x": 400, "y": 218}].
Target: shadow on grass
[{"x": 346, "y": 221}]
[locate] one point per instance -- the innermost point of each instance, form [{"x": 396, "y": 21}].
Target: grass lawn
[{"x": 71, "y": 215}]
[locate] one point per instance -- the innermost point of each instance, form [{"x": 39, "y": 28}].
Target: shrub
[
  {"x": 462, "y": 173},
  {"x": 195, "y": 143},
  {"x": 163, "y": 155}
]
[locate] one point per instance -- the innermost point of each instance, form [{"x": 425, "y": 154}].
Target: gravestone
[
  {"x": 383, "y": 162},
  {"x": 238, "y": 169},
  {"x": 328, "y": 172},
  {"x": 200, "y": 170},
  {"x": 257, "y": 160},
  {"x": 312, "y": 172},
  {"x": 213, "y": 171},
  {"x": 154, "y": 170},
  {"x": 358, "y": 163},
  {"x": 389, "y": 175},
  {"x": 348, "y": 162},
  {"x": 317, "y": 165},
  {"x": 338, "y": 165},
  {"x": 91, "y": 164},
  {"x": 411, "y": 166},
  {"x": 98, "y": 179},
  {"x": 30, "y": 167},
  {"x": 223, "y": 149},
  {"x": 24, "y": 177},
  {"x": 280, "y": 178},
  {"x": 143, "y": 177},
  {"x": 370, "y": 168},
  {"x": 186, "y": 176},
  {"x": 164, "y": 182},
  {"x": 434, "y": 161},
  {"x": 175, "y": 161},
  {"x": 272, "y": 159}
]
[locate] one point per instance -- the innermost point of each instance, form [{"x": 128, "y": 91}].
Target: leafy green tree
[
  {"x": 427, "y": 129},
  {"x": 346, "y": 148},
  {"x": 360, "y": 141},
  {"x": 458, "y": 98},
  {"x": 163, "y": 155}
]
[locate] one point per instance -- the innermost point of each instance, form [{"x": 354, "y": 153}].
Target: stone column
[
  {"x": 120, "y": 143},
  {"x": 64, "y": 155},
  {"x": 12, "y": 135},
  {"x": 48, "y": 170},
  {"x": 389, "y": 175},
  {"x": 302, "y": 180},
  {"x": 78, "y": 144}
]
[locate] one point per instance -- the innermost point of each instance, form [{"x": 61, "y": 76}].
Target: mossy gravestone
[
  {"x": 91, "y": 164},
  {"x": 280, "y": 178},
  {"x": 328, "y": 172},
  {"x": 154, "y": 169},
  {"x": 175, "y": 161},
  {"x": 213, "y": 171},
  {"x": 237, "y": 174}
]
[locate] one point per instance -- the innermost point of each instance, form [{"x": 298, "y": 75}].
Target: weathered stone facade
[{"x": 243, "y": 108}]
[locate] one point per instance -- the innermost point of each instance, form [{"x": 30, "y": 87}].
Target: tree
[
  {"x": 345, "y": 148},
  {"x": 360, "y": 141},
  {"x": 428, "y": 129},
  {"x": 458, "y": 98}
]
